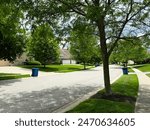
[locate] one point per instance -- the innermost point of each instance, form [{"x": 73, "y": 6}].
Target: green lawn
[
  {"x": 130, "y": 69},
  {"x": 148, "y": 75},
  {"x": 122, "y": 101},
  {"x": 57, "y": 68},
  {"x": 7, "y": 76},
  {"x": 143, "y": 68}
]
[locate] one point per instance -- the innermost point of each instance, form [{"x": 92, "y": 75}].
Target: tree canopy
[
  {"x": 83, "y": 47},
  {"x": 111, "y": 20},
  {"x": 43, "y": 46},
  {"x": 12, "y": 38},
  {"x": 127, "y": 50}
]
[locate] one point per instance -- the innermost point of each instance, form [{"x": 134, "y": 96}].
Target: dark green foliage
[
  {"x": 110, "y": 20},
  {"x": 43, "y": 46},
  {"x": 12, "y": 40},
  {"x": 32, "y": 63},
  {"x": 144, "y": 61},
  {"x": 84, "y": 47},
  {"x": 131, "y": 49},
  {"x": 11, "y": 47}
]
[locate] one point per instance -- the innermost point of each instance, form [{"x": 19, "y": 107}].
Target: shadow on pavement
[
  {"x": 45, "y": 101},
  {"x": 9, "y": 82}
]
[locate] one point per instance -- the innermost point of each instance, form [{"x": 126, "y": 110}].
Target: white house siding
[
  {"x": 73, "y": 62},
  {"x": 130, "y": 62},
  {"x": 68, "y": 62}
]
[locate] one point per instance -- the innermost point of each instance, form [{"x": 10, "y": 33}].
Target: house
[
  {"x": 4, "y": 63},
  {"x": 18, "y": 61},
  {"x": 66, "y": 57}
]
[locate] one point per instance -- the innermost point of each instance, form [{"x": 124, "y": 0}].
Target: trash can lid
[{"x": 35, "y": 68}]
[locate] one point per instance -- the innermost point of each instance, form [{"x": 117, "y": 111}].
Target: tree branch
[
  {"x": 125, "y": 22},
  {"x": 122, "y": 28},
  {"x": 125, "y": 38},
  {"x": 145, "y": 24},
  {"x": 139, "y": 10},
  {"x": 74, "y": 8},
  {"x": 87, "y": 2},
  {"x": 95, "y": 2}
]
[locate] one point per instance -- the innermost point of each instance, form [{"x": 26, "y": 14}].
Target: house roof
[{"x": 65, "y": 54}]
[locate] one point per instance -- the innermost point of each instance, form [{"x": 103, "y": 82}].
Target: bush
[
  {"x": 145, "y": 61},
  {"x": 32, "y": 63}
]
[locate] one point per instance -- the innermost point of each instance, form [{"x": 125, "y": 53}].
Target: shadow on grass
[
  {"x": 41, "y": 68},
  {"x": 57, "y": 68},
  {"x": 48, "y": 69},
  {"x": 123, "y": 100},
  {"x": 7, "y": 79},
  {"x": 10, "y": 76},
  {"x": 115, "y": 97},
  {"x": 137, "y": 66}
]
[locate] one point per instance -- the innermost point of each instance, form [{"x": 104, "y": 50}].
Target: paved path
[
  {"x": 48, "y": 93},
  {"x": 143, "y": 100}
]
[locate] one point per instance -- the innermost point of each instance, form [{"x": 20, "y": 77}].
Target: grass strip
[
  {"x": 7, "y": 76},
  {"x": 57, "y": 68},
  {"x": 125, "y": 91}
]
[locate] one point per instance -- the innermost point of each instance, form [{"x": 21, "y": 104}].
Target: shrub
[{"x": 33, "y": 63}]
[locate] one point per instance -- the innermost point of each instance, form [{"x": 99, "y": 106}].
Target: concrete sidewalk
[{"x": 143, "y": 100}]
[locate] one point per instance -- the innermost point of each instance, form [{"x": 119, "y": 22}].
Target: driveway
[
  {"x": 48, "y": 93},
  {"x": 19, "y": 70}
]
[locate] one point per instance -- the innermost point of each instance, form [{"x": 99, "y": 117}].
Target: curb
[
  {"x": 76, "y": 102},
  {"x": 137, "y": 94}
]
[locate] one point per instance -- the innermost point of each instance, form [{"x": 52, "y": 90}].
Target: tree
[
  {"x": 84, "y": 48},
  {"x": 43, "y": 46},
  {"x": 111, "y": 20},
  {"x": 12, "y": 38},
  {"x": 129, "y": 50}
]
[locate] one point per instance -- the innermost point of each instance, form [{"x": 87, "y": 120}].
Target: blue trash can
[
  {"x": 125, "y": 70},
  {"x": 35, "y": 72}
]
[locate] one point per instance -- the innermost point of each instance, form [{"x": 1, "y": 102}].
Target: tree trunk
[
  {"x": 105, "y": 55},
  {"x": 127, "y": 63},
  {"x": 84, "y": 66},
  {"x": 106, "y": 75},
  {"x": 44, "y": 66}
]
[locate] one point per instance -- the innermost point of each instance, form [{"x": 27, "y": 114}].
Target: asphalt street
[{"x": 47, "y": 93}]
